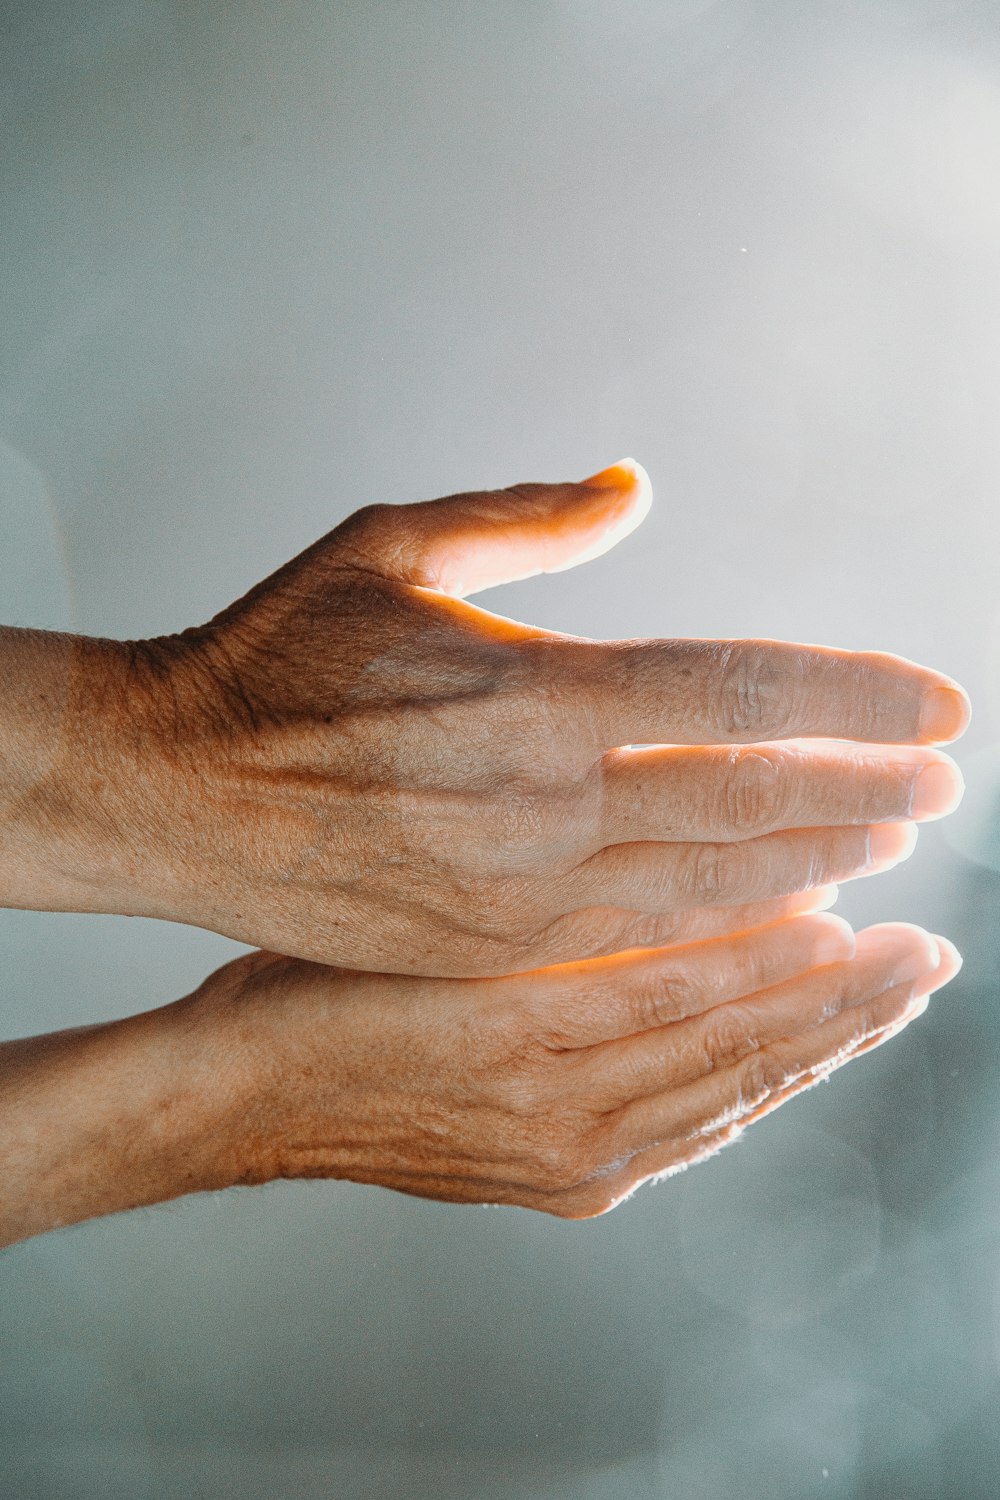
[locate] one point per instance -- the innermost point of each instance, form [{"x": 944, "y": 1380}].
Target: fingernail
[
  {"x": 825, "y": 897},
  {"x": 945, "y": 714},
  {"x": 619, "y": 476},
  {"x": 890, "y": 843},
  {"x": 949, "y": 953},
  {"x": 916, "y": 1008},
  {"x": 937, "y": 790}
]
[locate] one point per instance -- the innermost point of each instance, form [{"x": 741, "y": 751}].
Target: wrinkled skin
[
  {"x": 353, "y": 765},
  {"x": 566, "y": 1089},
  {"x": 561, "y": 1090}
]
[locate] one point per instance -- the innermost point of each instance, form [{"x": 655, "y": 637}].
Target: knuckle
[
  {"x": 706, "y": 876},
  {"x": 761, "y": 1074},
  {"x": 377, "y": 515},
  {"x": 661, "y": 999},
  {"x": 525, "y": 1090},
  {"x": 551, "y": 727},
  {"x": 519, "y": 824},
  {"x": 727, "y": 1037},
  {"x": 365, "y": 530},
  {"x": 715, "y": 873},
  {"x": 753, "y": 698},
  {"x": 648, "y": 930},
  {"x": 752, "y": 790},
  {"x": 839, "y": 994}
]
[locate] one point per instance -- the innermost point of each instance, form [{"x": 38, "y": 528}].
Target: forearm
[{"x": 105, "y": 1118}]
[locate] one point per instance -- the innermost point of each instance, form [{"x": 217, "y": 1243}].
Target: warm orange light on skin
[
  {"x": 474, "y": 547},
  {"x": 411, "y": 787},
  {"x": 946, "y": 715},
  {"x": 471, "y": 758}
]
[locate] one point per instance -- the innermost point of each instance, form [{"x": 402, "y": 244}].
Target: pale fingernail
[
  {"x": 944, "y": 714},
  {"x": 825, "y": 896},
  {"x": 937, "y": 790},
  {"x": 890, "y": 843},
  {"x": 916, "y": 1008},
  {"x": 619, "y": 476}
]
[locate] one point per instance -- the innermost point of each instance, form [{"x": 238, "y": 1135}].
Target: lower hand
[{"x": 561, "y": 1090}]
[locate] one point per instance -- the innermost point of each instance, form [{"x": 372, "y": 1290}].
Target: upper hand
[{"x": 353, "y": 765}]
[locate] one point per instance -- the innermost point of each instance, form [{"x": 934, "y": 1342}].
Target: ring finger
[{"x": 656, "y": 877}]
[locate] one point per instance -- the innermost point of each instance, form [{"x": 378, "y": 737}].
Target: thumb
[{"x": 469, "y": 542}]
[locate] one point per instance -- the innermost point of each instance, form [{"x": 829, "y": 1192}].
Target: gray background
[{"x": 263, "y": 263}]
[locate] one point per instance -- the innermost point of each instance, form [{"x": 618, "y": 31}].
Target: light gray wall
[{"x": 262, "y": 263}]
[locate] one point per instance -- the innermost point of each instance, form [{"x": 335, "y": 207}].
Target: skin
[
  {"x": 561, "y": 1090},
  {"x": 354, "y": 766}
]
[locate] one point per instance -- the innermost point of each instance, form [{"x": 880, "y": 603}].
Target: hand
[
  {"x": 352, "y": 765},
  {"x": 566, "y": 1089},
  {"x": 561, "y": 1090}
]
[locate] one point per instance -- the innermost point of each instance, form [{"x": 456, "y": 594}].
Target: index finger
[{"x": 702, "y": 692}]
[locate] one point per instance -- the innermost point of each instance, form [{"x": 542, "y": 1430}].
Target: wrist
[
  {"x": 112, "y": 1117},
  {"x": 78, "y": 773}
]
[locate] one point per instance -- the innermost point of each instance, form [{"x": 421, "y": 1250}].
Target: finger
[
  {"x": 665, "y": 1160},
  {"x": 664, "y": 877},
  {"x": 820, "y": 1074},
  {"x": 741, "y": 1092},
  {"x": 611, "y": 1189},
  {"x": 608, "y": 999},
  {"x": 951, "y": 963},
  {"x": 670, "y": 1157},
  {"x": 595, "y": 932},
  {"x": 719, "y": 793},
  {"x": 676, "y": 1054},
  {"x": 705, "y": 692},
  {"x": 468, "y": 542}
]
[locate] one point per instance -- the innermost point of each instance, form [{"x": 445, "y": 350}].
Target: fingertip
[
  {"x": 626, "y": 478},
  {"x": 889, "y": 844},
  {"x": 951, "y": 960},
  {"x": 938, "y": 788},
  {"x": 835, "y": 941},
  {"x": 912, "y": 951},
  {"x": 806, "y": 903},
  {"x": 618, "y": 476},
  {"x": 615, "y": 501},
  {"x": 945, "y": 714}
]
